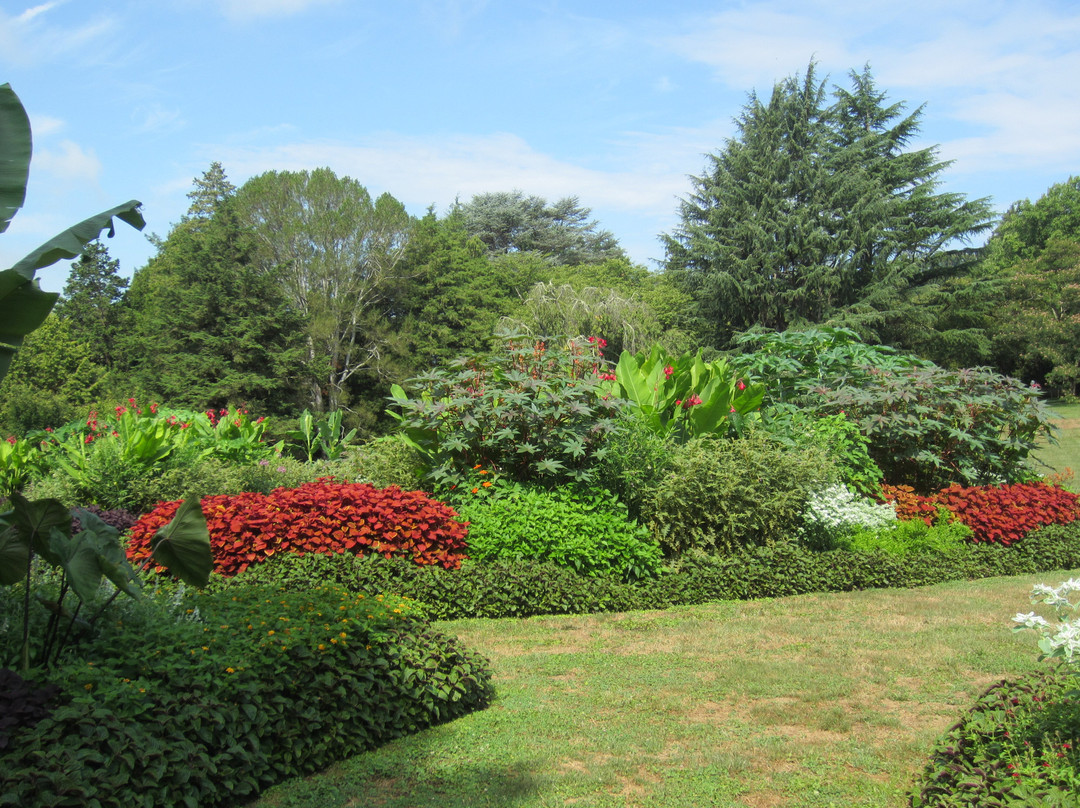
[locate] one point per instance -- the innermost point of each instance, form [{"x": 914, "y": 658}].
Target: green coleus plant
[{"x": 685, "y": 397}]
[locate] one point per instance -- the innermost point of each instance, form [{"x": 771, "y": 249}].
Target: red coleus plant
[
  {"x": 1001, "y": 514},
  {"x": 327, "y": 517}
]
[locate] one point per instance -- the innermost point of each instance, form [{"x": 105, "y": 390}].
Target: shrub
[
  {"x": 836, "y": 435},
  {"x": 910, "y": 505},
  {"x": 1017, "y": 746},
  {"x": 526, "y": 587},
  {"x": 242, "y": 693},
  {"x": 637, "y": 458},
  {"x": 534, "y": 411},
  {"x": 321, "y": 517},
  {"x": 723, "y": 495},
  {"x": 1006, "y": 513},
  {"x": 590, "y": 533},
  {"x": 382, "y": 462},
  {"x": 928, "y": 427}
]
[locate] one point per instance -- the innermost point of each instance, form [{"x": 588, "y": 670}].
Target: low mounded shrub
[
  {"x": 589, "y": 533},
  {"x": 321, "y": 517},
  {"x": 232, "y": 694},
  {"x": 1016, "y": 747},
  {"x": 833, "y": 513},
  {"x": 725, "y": 495}
]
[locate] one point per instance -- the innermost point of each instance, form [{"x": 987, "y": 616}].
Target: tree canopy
[
  {"x": 817, "y": 212},
  {"x": 510, "y": 221}
]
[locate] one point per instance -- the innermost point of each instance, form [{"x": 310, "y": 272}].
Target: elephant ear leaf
[
  {"x": 183, "y": 545},
  {"x": 14, "y": 554},
  {"x": 104, "y": 539},
  {"x": 36, "y": 519}
]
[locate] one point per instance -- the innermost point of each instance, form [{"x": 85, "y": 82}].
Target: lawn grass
[
  {"x": 1065, "y": 454},
  {"x": 816, "y": 700}
]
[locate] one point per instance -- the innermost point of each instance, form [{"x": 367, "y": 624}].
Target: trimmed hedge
[{"x": 524, "y": 588}]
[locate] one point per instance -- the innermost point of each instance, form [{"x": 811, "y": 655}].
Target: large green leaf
[
  {"x": 183, "y": 545},
  {"x": 69, "y": 244},
  {"x": 15, "y": 150},
  {"x": 36, "y": 519},
  {"x": 22, "y": 310},
  {"x": 14, "y": 553},
  {"x": 79, "y": 562},
  {"x": 104, "y": 539}
]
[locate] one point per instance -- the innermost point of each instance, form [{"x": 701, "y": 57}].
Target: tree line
[{"x": 299, "y": 290}]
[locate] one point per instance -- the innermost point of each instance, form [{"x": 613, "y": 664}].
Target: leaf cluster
[
  {"x": 1016, "y": 748},
  {"x": 534, "y": 411},
  {"x": 724, "y": 495}
]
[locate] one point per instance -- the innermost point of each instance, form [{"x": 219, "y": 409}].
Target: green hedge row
[
  {"x": 524, "y": 588},
  {"x": 211, "y": 709}
]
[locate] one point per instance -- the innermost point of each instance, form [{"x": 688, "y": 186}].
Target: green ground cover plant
[
  {"x": 221, "y": 696},
  {"x": 590, "y": 533},
  {"x": 803, "y": 701}
]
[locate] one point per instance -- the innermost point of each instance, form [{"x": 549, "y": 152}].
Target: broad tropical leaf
[
  {"x": 14, "y": 553},
  {"x": 183, "y": 545},
  {"x": 15, "y": 149},
  {"x": 104, "y": 539},
  {"x": 37, "y": 519}
]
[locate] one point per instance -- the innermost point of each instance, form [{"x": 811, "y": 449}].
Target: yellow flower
[
  {"x": 343, "y": 635},
  {"x": 88, "y": 686},
  {"x": 270, "y": 633},
  {"x": 322, "y": 647},
  {"x": 230, "y": 670},
  {"x": 334, "y": 640}
]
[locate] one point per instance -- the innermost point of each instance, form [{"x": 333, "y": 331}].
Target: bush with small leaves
[
  {"x": 724, "y": 495},
  {"x": 589, "y": 532},
  {"x": 240, "y": 693}
]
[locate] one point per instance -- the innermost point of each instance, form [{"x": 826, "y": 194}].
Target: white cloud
[
  {"x": 45, "y": 125},
  {"x": 68, "y": 163},
  {"x": 157, "y": 118},
  {"x": 423, "y": 171},
  {"x": 30, "y": 38},
  {"x": 245, "y": 10}
]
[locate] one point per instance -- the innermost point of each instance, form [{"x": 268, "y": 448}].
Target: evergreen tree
[
  {"x": 815, "y": 213},
  {"x": 90, "y": 303},
  {"x": 509, "y": 222},
  {"x": 206, "y": 327}
]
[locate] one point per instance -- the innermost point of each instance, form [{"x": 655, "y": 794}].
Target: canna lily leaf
[{"x": 183, "y": 545}]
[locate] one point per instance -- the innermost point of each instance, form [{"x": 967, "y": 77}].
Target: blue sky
[{"x": 432, "y": 100}]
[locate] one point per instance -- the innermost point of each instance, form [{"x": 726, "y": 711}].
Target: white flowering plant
[
  {"x": 1060, "y": 640},
  {"x": 837, "y": 511}
]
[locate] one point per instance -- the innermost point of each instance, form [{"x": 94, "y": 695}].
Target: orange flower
[{"x": 486, "y": 484}]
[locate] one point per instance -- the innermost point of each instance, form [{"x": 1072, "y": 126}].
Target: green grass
[
  {"x": 1065, "y": 454},
  {"x": 818, "y": 700}
]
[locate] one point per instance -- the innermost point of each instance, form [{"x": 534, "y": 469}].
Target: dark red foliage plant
[
  {"x": 326, "y": 517},
  {"x": 1000, "y": 514}
]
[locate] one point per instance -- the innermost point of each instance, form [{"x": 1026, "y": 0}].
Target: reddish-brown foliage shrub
[
  {"x": 326, "y": 517},
  {"x": 1006, "y": 513},
  {"x": 1000, "y": 514},
  {"x": 910, "y": 505}
]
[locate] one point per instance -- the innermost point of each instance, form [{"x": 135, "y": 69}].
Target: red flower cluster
[
  {"x": 327, "y": 517},
  {"x": 1000, "y": 514}
]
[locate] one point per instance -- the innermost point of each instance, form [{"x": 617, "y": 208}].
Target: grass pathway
[{"x": 817, "y": 700}]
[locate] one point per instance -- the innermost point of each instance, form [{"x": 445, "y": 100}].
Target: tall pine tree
[{"x": 816, "y": 212}]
